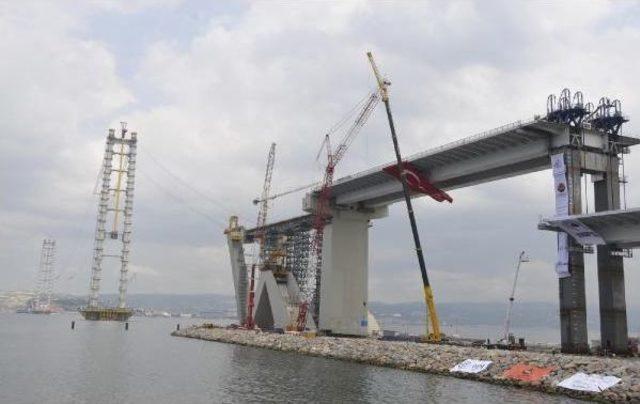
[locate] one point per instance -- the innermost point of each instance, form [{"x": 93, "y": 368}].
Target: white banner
[
  {"x": 471, "y": 366},
  {"x": 560, "y": 184},
  {"x": 562, "y": 265},
  {"x": 594, "y": 383},
  {"x": 562, "y": 209},
  {"x": 580, "y": 232}
]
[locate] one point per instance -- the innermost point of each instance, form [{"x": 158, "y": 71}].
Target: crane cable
[
  {"x": 183, "y": 201},
  {"x": 349, "y": 114},
  {"x": 339, "y": 124},
  {"x": 225, "y": 209}
]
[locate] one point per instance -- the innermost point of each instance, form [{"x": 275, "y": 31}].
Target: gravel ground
[{"x": 438, "y": 359}]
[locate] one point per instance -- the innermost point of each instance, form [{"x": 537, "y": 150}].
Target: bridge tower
[
  {"x": 46, "y": 276},
  {"x": 114, "y": 242},
  {"x": 594, "y": 147}
]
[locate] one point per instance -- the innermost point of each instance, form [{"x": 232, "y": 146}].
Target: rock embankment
[{"x": 439, "y": 359}]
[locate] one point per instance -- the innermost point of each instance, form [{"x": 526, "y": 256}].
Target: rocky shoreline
[{"x": 439, "y": 359}]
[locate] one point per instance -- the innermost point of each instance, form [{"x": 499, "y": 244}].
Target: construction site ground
[{"x": 439, "y": 359}]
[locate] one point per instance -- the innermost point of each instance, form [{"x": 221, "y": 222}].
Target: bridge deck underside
[
  {"x": 508, "y": 151},
  {"x": 618, "y": 228},
  {"x": 297, "y": 224}
]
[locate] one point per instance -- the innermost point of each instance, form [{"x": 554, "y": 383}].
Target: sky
[{"x": 209, "y": 85}]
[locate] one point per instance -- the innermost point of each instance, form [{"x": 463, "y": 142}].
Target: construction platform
[{"x": 106, "y": 313}]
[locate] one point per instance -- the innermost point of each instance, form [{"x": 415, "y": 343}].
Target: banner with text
[
  {"x": 581, "y": 232},
  {"x": 562, "y": 209}
]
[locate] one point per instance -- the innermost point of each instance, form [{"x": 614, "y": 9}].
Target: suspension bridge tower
[
  {"x": 46, "y": 277},
  {"x": 114, "y": 221}
]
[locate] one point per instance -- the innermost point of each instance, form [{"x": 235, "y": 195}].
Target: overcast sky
[{"x": 209, "y": 85}]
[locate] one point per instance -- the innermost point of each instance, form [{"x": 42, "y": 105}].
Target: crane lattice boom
[
  {"x": 266, "y": 188},
  {"x": 260, "y": 234},
  {"x": 351, "y": 134}
]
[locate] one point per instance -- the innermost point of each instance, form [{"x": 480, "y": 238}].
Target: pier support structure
[
  {"x": 603, "y": 165},
  {"x": 345, "y": 268},
  {"x": 613, "y": 312},
  {"x": 573, "y": 303},
  {"x": 235, "y": 241},
  {"x": 278, "y": 302}
]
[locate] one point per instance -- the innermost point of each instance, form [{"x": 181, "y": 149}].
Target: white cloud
[{"x": 209, "y": 106}]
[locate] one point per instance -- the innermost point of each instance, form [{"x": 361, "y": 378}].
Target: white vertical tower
[
  {"x": 127, "y": 213},
  {"x": 103, "y": 206},
  {"x": 111, "y": 208},
  {"x": 46, "y": 275}
]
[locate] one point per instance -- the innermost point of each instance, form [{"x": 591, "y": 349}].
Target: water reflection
[{"x": 42, "y": 360}]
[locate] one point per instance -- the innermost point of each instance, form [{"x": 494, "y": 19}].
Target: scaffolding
[
  {"x": 111, "y": 206},
  {"x": 46, "y": 276}
]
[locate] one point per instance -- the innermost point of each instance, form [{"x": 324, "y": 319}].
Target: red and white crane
[{"x": 260, "y": 233}]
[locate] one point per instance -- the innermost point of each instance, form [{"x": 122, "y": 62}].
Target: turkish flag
[{"x": 418, "y": 182}]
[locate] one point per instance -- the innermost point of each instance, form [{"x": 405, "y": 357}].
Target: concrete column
[
  {"x": 235, "y": 239},
  {"x": 278, "y": 303},
  {"x": 345, "y": 271},
  {"x": 573, "y": 305},
  {"x": 613, "y": 308},
  {"x": 271, "y": 308}
]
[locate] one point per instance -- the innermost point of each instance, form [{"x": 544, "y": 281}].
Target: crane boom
[
  {"x": 260, "y": 225},
  {"x": 348, "y": 138},
  {"x": 266, "y": 188},
  {"x": 507, "y": 321},
  {"x": 285, "y": 193},
  {"x": 428, "y": 293},
  {"x": 353, "y": 131}
]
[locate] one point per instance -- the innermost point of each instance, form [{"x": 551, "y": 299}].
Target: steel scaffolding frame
[
  {"x": 110, "y": 202},
  {"x": 46, "y": 275}
]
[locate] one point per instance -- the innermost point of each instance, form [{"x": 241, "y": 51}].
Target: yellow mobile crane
[{"x": 432, "y": 315}]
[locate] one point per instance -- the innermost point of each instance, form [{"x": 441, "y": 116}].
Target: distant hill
[
  {"x": 197, "y": 303},
  {"x": 525, "y": 314},
  {"x": 533, "y": 314}
]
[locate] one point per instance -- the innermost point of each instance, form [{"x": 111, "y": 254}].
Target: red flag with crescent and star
[{"x": 418, "y": 182}]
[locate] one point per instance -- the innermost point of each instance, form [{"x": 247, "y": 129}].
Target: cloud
[{"x": 209, "y": 93}]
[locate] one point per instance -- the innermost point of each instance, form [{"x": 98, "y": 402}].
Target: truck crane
[{"x": 507, "y": 321}]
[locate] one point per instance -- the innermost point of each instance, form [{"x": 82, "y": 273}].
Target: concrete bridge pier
[
  {"x": 345, "y": 268},
  {"x": 573, "y": 304},
  {"x": 613, "y": 309},
  {"x": 235, "y": 240}
]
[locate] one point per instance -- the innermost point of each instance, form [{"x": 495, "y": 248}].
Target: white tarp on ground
[
  {"x": 471, "y": 366},
  {"x": 593, "y": 383},
  {"x": 562, "y": 209}
]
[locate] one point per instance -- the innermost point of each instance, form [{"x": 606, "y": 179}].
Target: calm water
[{"x": 43, "y": 361}]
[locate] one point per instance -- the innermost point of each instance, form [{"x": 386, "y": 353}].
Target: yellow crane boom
[{"x": 432, "y": 314}]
